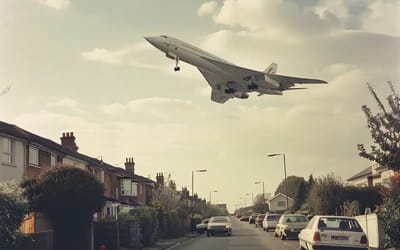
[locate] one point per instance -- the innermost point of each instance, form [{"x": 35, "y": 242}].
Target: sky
[{"x": 83, "y": 66}]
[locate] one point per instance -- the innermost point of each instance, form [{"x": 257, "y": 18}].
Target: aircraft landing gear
[{"x": 177, "y": 68}]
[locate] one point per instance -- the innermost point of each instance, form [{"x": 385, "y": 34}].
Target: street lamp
[
  {"x": 214, "y": 191},
  {"x": 284, "y": 167},
  {"x": 259, "y": 182},
  {"x": 193, "y": 201}
]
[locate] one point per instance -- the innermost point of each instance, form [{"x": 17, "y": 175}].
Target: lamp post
[
  {"x": 193, "y": 201},
  {"x": 214, "y": 191},
  {"x": 284, "y": 167},
  {"x": 259, "y": 182}
]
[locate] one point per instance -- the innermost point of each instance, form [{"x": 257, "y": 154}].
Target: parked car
[
  {"x": 290, "y": 225},
  {"x": 219, "y": 224},
  {"x": 252, "y": 218},
  {"x": 244, "y": 218},
  {"x": 270, "y": 221},
  {"x": 333, "y": 232},
  {"x": 202, "y": 227},
  {"x": 259, "y": 220}
]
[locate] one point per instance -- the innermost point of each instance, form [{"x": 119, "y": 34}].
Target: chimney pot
[{"x": 68, "y": 141}]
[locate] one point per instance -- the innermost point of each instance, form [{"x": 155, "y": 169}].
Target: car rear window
[
  {"x": 339, "y": 224},
  {"x": 290, "y": 219},
  {"x": 273, "y": 217}
]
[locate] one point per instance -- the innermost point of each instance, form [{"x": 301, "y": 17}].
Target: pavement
[{"x": 167, "y": 244}]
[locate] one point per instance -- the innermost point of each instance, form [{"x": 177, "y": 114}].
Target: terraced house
[{"x": 24, "y": 154}]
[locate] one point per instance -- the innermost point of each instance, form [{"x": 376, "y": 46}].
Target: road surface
[{"x": 245, "y": 236}]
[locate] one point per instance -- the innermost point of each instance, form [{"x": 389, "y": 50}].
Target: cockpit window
[{"x": 164, "y": 36}]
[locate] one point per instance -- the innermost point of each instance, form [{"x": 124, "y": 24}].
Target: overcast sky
[{"x": 83, "y": 66}]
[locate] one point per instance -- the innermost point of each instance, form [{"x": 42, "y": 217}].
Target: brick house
[{"x": 24, "y": 154}]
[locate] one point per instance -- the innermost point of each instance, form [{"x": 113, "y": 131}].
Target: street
[{"x": 245, "y": 236}]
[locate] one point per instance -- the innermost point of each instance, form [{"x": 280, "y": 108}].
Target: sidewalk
[{"x": 164, "y": 244}]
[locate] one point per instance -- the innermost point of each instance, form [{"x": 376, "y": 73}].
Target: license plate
[{"x": 333, "y": 237}]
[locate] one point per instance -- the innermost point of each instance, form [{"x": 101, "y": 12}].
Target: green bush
[
  {"x": 69, "y": 197},
  {"x": 148, "y": 223},
  {"x": 13, "y": 209}
]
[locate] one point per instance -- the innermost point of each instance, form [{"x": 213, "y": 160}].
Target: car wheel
[{"x": 282, "y": 236}]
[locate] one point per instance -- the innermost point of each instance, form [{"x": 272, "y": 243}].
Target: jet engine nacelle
[
  {"x": 273, "y": 84},
  {"x": 241, "y": 95}
]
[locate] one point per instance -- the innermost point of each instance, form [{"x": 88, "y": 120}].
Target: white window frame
[
  {"x": 8, "y": 153},
  {"x": 53, "y": 160},
  {"x": 279, "y": 203},
  {"x": 33, "y": 161}
]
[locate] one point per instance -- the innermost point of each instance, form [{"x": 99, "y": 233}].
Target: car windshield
[
  {"x": 273, "y": 217},
  {"x": 340, "y": 224},
  {"x": 294, "y": 218}
]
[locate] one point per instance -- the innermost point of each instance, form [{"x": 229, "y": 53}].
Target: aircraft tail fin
[{"x": 271, "y": 69}]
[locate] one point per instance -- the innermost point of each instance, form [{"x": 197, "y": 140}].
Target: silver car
[
  {"x": 270, "y": 221},
  {"x": 219, "y": 225}
]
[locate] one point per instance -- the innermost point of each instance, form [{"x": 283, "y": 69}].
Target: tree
[
  {"x": 259, "y": 205},
  {"x": 13, "y": 209},
  {"x": 326, "y": 195},
  {"x": 385, "y": 131},
  {"x": 69, "y": 197},
  {"x": 389, "y": 212},
  {"x": 297, "y": 190}
]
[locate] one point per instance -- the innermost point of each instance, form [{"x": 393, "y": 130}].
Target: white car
[
  {"x": 270, "y": 221},
  {"x": 219, "y": 224},
  {"x": 333, "y": 232}
]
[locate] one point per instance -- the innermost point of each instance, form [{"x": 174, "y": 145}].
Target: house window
[
  {"x": 53, "y": 160},
  {"x": 128, "y": 188},
  {"x": 33, "y": 156},
  {"x": 8, "y": 151},
  {"x": 281, "y": 203}
]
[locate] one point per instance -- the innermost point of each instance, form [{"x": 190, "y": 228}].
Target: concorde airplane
[{"x": 226, "y": 79}]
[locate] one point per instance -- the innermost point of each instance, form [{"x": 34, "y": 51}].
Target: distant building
[
  {"x": 278, "y": 203},
  {"x": 371, "y": 176}
]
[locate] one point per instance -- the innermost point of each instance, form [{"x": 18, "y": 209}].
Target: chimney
[
  {"x": 160, "y": 180},
  {"x": 68, "y": 141},
  {"x": 130, "y": 165}
]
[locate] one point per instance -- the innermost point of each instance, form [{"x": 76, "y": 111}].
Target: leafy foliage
[
  {"x": 13, "y": 209},
  {"x": 69, "y": 197},
  {"x": 385, "y": 131},
  {"x": 260, "y": 206},
  {"x": 328, "y": 195},
  {"x": 148, "y": 223},
  {"x": 389, "y": 212}
]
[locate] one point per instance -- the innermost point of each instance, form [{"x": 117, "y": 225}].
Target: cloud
[
  {"x": 207, "y": 8},
  {"x": 113, "y": 109},
  {"x": 55, "y": 4},
  {"x": 276, "y": 18},
  {"x": 65, "y": 103},
  {"x": 117, "y": 56},
  {"x": 384, "y": 18}
]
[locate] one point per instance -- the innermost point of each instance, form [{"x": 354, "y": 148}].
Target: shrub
[
  {"x": 13, "y": 209},
  {"x": 69, "y": 197},
  {"x": 148, "y": 223}
]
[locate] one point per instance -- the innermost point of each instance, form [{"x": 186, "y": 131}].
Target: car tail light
[
  {"x": 316, "y": 237},
  {"x": 364, "y": 240}
]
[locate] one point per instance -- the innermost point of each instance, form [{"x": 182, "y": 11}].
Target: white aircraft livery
[{"x": 226, "y": 79}]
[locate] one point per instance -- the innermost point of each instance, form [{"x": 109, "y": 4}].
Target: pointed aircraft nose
[{"x": 152, "y": 40}]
